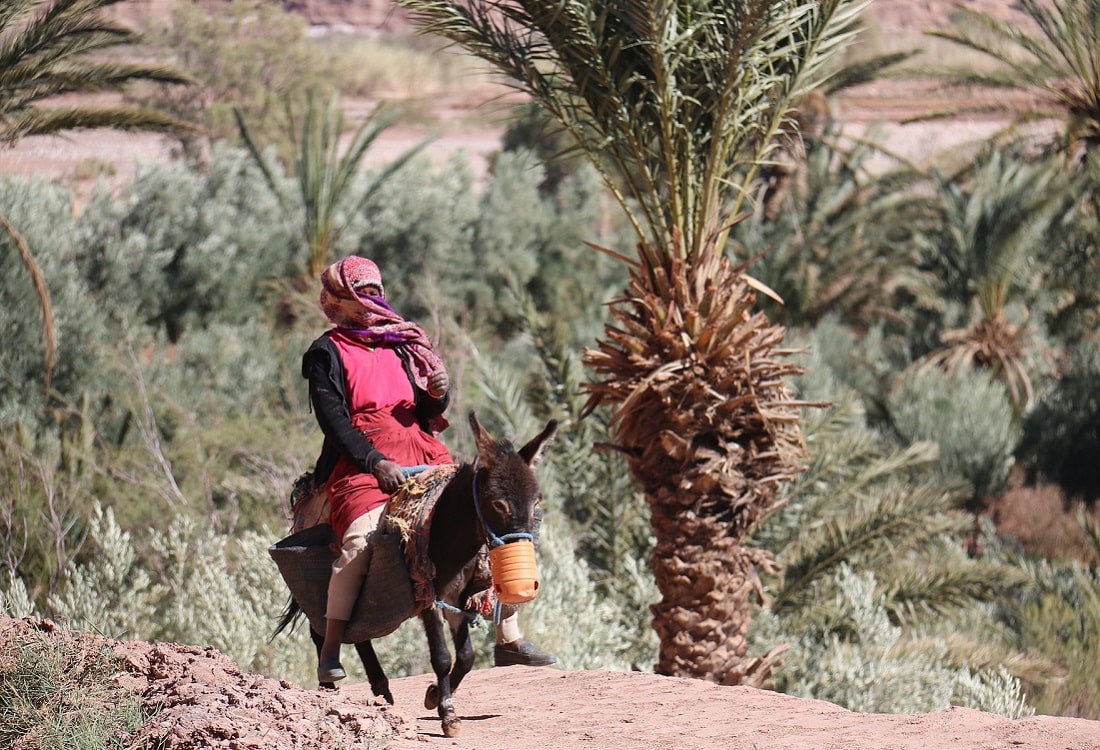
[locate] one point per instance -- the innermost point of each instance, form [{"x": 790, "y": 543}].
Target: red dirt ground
[{"x": 202, "y": 700}]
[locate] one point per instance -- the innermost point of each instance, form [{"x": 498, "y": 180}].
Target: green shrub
[
  {"x": 838, "y": 358},
  {"x": 874, "y": 577},
  {"x": 1058, "y": 618},
  {"x": 43, "y": 215},
  {"x": 15, "y": 601},
  {"x": 109, "y": 592},
  {"x": 58, "y": 691},
  {"x": 48, "y": 472},
  {"x": 183, "y": 248},
  {"x": 863, "y": 661},
  {"x": 969, "y": 417},
  {"x": 193, "y": 586}
]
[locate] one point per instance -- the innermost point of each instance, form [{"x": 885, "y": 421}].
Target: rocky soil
[{"x": 199, "y": 699}]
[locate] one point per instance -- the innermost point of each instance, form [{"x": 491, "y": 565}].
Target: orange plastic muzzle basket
[{"x": 515, "y": 572}]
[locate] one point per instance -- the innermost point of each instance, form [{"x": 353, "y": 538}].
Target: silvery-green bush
[
  {"x": 43, "y": 214},
  {"x": 969, "y": 416},
  {"x": 182, "y": 248},
  {"x": 14, "y": 599},
  {"x": 868, "y": 666},
  {"x": 874, "y": 572},
  {"x": 201, "y": 587},
  {"x": 197, "y": 586}
]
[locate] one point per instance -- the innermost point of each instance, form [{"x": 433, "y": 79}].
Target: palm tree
[
  {"x": 990, "y": 263},
  {"x": 50, "y": 48},
  {"x": 1053, "y": 61},
  {"x": 685, "y": 100},
  {"x": 327, "y": 196}
]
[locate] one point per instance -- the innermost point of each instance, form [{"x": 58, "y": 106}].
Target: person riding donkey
[{"x": 379, "y": 392}]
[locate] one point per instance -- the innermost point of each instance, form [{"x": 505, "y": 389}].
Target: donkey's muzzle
[{"x": 515, "y": 572}]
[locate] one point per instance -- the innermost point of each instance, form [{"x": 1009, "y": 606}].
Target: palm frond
[
  {"x": 55, "y": 53},
  {"x": 982, "y": 650},
  {"x": 1053, "y": 61},
  {"x": 261, "y": 163},
  {"x": 684, "y": 99},
  {"x": 55, "y": 120},
  {"x": 868, "y": 532},
  {"x": 998, "y": 218},
  {"x": 326, "y": 173},
  {"x": 915, "y": 592}
]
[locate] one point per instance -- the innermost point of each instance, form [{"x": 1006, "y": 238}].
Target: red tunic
[{"x": 380, "y": 399}]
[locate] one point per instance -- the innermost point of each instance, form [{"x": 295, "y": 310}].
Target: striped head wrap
[{"x": 370, "y": 319}]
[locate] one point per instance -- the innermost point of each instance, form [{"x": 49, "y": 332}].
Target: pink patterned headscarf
[{"x": 370, "y": 319}]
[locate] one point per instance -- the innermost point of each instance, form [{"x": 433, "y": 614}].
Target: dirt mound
[{"x": 200, "y": 699}]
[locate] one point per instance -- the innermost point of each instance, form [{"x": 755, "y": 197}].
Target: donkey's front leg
[{"x": 441, "y": 665}]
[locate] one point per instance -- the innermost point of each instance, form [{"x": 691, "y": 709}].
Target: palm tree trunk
[
  {"x": 710, "y": 429},
  {"x": 709, "y": 583}
]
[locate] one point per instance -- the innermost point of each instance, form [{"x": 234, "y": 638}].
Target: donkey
[{"x": 492, "y": 499}]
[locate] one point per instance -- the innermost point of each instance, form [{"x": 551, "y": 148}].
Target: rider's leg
[
  {"x": 511, "y": 647},
  {"x": 348, "y": 573}
]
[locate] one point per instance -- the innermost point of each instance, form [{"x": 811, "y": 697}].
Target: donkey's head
[{"x": 508, "y": 492}]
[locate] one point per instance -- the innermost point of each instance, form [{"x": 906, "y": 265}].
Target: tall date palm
[{"x": 678, "y": 103}]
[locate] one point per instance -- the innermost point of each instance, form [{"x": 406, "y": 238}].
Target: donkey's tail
[{"x": 289, "y": 618}]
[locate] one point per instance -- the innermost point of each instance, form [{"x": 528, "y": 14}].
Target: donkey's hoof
[
  {"x": 382, "y": 690},
  {"x": 431, "y": 698},
  {"x": 452, "y": 726}
]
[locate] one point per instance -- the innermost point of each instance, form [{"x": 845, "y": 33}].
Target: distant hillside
[{"x": 889, "y": 16}]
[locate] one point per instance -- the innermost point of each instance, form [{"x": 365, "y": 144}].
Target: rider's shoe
[
  {"x": 523, "y": 653},
  {"x": 330, "y": 671}
]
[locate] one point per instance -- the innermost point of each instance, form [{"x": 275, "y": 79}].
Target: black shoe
[
  {"x": 330, "y": 671},
  {"x": 523, "y": 653}
]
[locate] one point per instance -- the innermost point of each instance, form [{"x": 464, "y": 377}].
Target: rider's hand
[
  {"x": 389, "y": 476},
  {"x": 438, "y": 383}
]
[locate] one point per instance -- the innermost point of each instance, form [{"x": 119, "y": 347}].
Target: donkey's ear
[
  {"x": 485, "y": 442},
  {"x": 534, "y": 451}
]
